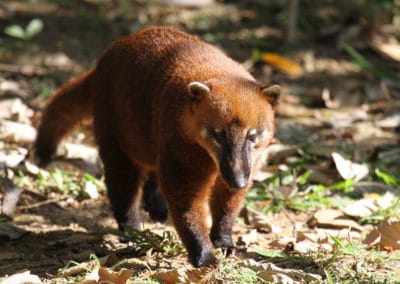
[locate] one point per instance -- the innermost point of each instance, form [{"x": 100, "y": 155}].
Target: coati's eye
[
  {"x": 218, "y": 134},
  {"x": 252, "y": 136}
]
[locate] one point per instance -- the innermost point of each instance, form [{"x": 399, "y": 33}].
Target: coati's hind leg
[
  {"x": 123, "y": 177},
  {"x": 124, "y": 181},
  {"x": 153, "y": 201}
]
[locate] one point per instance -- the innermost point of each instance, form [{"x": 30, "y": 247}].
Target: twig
[
  {"x": 385, "y": 91},
  {"x": 26, "y": 70},
  {"x": 38, "y": 204},
  {"x": 292, "y": 21}
]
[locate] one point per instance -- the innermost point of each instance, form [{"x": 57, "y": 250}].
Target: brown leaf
[
  {"x": 272, "y": 273},
  {"x": 305, "y": 247},
  {"x": 184, "y": 275},
  {"x": 84, "y": 267},
  {"x": 258, "y": 220},
  {"x": 389, "y": 48},
  {"x": 366, "y": 206},
  {"x": 282, "y": 63},
  {"x": 282, "y": 242},
  {"x": 386, "y": 235},
  {"x": 331, "y": 218},
  {"x": 109, "y": 276},
  {"x": 248, "y": 238}
]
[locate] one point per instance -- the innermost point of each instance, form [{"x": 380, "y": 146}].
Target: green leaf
[
  {"x": 304, "y": 177},
  {"x": 387, "y": 179},
  {"x": 57, "y": 177},
  {"x": 329, "y": 277},
  {"x": 270, "y": 253},
  {"x": 357, "y": 57},
  {"x": 34, "y": 27},
  {"x": 365, "y": 65},
  {"x": 15, "y": 31}
]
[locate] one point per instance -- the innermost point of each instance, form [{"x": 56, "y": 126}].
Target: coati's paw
[
  {"x": 226, "y": 244},
  {"x": 226, "y": 249},
  {"x": 206, "y": 260},
  {"x": 43, "y": 154}
]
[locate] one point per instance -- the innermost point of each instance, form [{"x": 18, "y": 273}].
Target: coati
[{"x": 164, "y": 101}]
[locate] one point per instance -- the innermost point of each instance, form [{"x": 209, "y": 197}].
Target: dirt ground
[{"x": 333, "y": 104}]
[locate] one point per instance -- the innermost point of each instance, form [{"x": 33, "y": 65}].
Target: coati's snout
[
  {"x": 233, "y": 155},
  {"x": 235, "y": 166}
]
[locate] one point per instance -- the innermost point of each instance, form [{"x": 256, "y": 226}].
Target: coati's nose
[{"x": 239, "y": 181}]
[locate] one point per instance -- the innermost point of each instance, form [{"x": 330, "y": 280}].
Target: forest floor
[{"x": 325, "y": 206}]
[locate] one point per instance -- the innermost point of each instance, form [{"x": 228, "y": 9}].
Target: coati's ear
[
  {"x": 198, "y": 90},
  {"x": 272, "y": 92}
]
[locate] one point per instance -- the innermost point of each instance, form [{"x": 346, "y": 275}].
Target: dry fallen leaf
[
  {"x": 85, "y": 152},
  {"x": 389, "y": 48},
  {"x": 332, "y": 218},
  {"x": 109, "y": 276},
  {"x": 392, "y": 121},
  {"x": 258, "y": 220},
  {"x": 12, "y": 157},
  {"x": 386, "y": 236},
  {"x": 349, "y": 170},
  {"x": 272, "y": 273},
  {"x": 11, "y": 197},
  {"x": 16, "y": 132},
  {"x": 371, "y": 203},
  {"x": 184, "y": 275},
  {"x": 282, "y": 242},
  {"x": 282, "y": 63},
  {"x": 86, "y": 266},
  {"x": 21, "y": 278},
  {"x": 305, "y": 247},
  {"x": 248, "y": 238},
  {"x": 286, "y": 192},
  {"x": 91, "y": 190},
  {"x": 14, "y": 109}
]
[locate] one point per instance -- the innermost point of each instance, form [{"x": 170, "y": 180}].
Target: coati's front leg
[
  {"x": 225, "y": 205},
  {"x": 186, "y": 187}
]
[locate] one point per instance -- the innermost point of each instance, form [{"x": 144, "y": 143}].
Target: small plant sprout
[{"x": 33, "y": 28}]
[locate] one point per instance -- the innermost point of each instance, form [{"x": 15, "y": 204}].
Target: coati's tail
[{"x": 71, "y": 104}]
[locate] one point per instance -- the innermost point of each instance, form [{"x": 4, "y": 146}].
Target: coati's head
[{"x": 233, "y": 120}]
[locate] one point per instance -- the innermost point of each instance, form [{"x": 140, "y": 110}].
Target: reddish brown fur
[
  {"x": 146, "y": 119},
  {"x": 61, "y": 118}
]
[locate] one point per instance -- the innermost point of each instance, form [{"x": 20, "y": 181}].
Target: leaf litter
[{"x": 338, "y": 132}]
